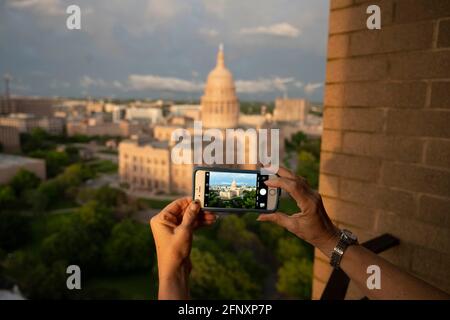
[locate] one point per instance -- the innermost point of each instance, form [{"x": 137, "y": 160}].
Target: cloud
[
  {"x": 280, "y": 29},
  {"x": 140, "y": 82},
  {"x": 43, "y": 7},
  {"x": 210, "y": 33},
  {"x": 310, "y": 88},
  {"x": 164, "y": 10},
  {"x": 262, "y": 85},
  {"x": 154, "y": 82},
  {"x": 87, "y": 82},
  {"x": 298, "y": 84}
]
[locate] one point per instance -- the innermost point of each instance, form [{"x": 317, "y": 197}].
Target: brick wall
[{"x": 385, "y": 164}]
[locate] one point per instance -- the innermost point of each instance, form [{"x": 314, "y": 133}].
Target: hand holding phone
[{"x": 233, "y": 190}]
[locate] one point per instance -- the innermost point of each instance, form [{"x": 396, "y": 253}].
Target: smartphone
[{"x": 232, "y": 190}]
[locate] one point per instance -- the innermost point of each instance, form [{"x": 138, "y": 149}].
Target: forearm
[
  {"x": 395, "y": 284},
  {"x": 173, "y": 285}
]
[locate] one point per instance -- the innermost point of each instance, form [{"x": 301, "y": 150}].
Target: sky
[
  {"x": 220, "y": 178},
  {"x": 164, "y": 48}
]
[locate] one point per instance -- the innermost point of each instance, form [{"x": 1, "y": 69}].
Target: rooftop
[{"x": 8, "y": 160}]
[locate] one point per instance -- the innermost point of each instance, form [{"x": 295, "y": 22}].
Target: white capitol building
[{"x": 145, "y": 164}]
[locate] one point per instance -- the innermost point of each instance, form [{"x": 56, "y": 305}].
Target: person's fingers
[
  {"x": 170, "y": 217},
  {"x": 296, "y": 188},
  {"x": 190, "y": 214},
  {"x": 286, "y": 173},
  {"x": 178, "y": 206},
  {"x": 279, "y": 218}
]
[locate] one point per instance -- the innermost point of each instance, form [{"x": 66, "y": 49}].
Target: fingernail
[{"x": 194, "y": 206}]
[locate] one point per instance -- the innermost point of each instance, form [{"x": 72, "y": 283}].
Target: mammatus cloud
[
  {"x": 310, "y": 88},
  {"x": 280, "y": 29}
]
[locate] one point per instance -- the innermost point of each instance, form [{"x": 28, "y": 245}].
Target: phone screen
[{"x": 235, "y": 190}]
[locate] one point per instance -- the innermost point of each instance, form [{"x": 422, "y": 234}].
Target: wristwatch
[{"x": 346, "y": 239}]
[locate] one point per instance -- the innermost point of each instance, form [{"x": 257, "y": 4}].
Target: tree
[
  {"x": 7, "y": 198},
  {"x": 308, "y": 167},
  {"x": 24, "y": 180},
  {"x": 295, "y": 278},
  {"x": 221, "y": 278},
  {"x": 128, "y": 248},
  {"x": 110, "y": 197},
  {"x": 292, "y": 247},
  {"x": 36, "y": 279},
  {"x": 14, "y": 230}
]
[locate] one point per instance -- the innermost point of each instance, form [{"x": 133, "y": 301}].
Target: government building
[{"x": 146, "y": 164}]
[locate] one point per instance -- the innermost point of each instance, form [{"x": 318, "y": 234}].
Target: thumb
[
  {"x": 278, "y": 218},
  {"x": 190, "y": 215}
]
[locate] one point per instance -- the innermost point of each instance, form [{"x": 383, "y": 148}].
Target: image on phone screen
[{"x": 235, "y": 190}]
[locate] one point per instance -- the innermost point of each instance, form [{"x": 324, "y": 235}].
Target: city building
[
  {"x": 219, "y": 104},
  {"x": 219, "y": 110},
  {"x": 36, "y": 106},
  {"x": 9, "y": 139},
  {"x": 11, "y": 164},
  {"x": 98, "y": 127},
  {"x": 151, "y": 115},
  {"x": 148, "y": 166},
  {"x": 231, "y": 191},
  {"x": 187, "y": 110},
  {"x": 26, "y": 122},
  {"x": 290, "y": 110}
]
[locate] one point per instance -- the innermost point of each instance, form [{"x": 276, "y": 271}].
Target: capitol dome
[{"x": 220, "y": 106}]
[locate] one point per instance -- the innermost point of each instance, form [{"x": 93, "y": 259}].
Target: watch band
[{"x": 346, "y": 239}]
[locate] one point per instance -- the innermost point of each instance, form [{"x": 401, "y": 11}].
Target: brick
[
  {"x": 425, "y": 123},
  {"x": 336, "y": 4},
  {"x": 443, "y": 40},
  {"x": 357, "y": 69},
  {"x": 383, "y": 146},
  {"x": 420, "y": 65},
  {"x": 338, "y": 46},
  {"x": 435, "y": 210},
  {"x": 415, "y": 232},
  {"x": 319, "y": 255},
  {"x": 328, "y": 185},
  {"x": 438, "y": 153},
  {"x": 376, "y": 94},
  {"x": 416, "y": 10},
  {"x": 374, "y": 196},
  {"x": 440, "y": 95},
  {"x": 350, "y": 214},
  {"x": 322, "y": 270},
  {"x": 317, "y": 289},
  {"x": 416, "y": 178},
  {"x": 354, "y": 119},
  {"x": 334, "y": 95},
  {"x": 360, "y": 168},
  {"x": 331, "y": 140},
  {"x": 354, "y": 18},
  {"x": 406, "y": 37},
  {"x": 431, "y": 264}
]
